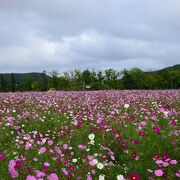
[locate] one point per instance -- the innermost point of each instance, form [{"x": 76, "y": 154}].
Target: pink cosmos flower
[
  {"x": 161, "y": 110},
  {"x": 42, "y": 150},
  {"x": 27, "y": 146},
  {"x": 99, "y": 120},
  {"x": 90, "y": 157},
  {"x": 46, "y": 164},
  {"x": 52, "y": 176},
  {"x": 178, "y": 173},
  {"x": 50, "y": 142},
  {"x": 65, "y": 171},
  {"x": 39, "y": 174},
  {"x": 165, "y": 164},
  {"x": 30, "y": 178},
  {"x": 159, "y": 162},
  {"x": 59, "y": 152},
  {"x": 13, "y": 173},
  {"x": 72, "y": 153},
  {"x": 65, "y": 146},
  {"x": 91, "y": 163},
  {"x": 89, "y": 177},
  {"x": 34, "y": 132},
  {"x": 112, "y": 157},
  {"x": 80, "y": 146},
  {"x": 158, "y": 172},
  {"x": 143, "y": 123},
  {"x": 10, "y": 119},
  {"x": 173, "y": 162},
  {"x": 93, "y": 171}
]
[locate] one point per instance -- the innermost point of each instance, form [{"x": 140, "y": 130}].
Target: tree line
[{"x": 135, "y": 78}]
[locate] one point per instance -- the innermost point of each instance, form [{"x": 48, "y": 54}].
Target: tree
[
  {"x": 127, "y": 80},
  {"x": 44, "y": 82},
  {"x": 171, "y": 78},
  {"x": 13, "y": 82},
  {"x": 28, "y": 84},
  {"x": 77, "y": 75},
  {"x": 54, "y": 79},
  {"x": 112, "y": 78},
  {"x": 3, "y": 83},
  {"x": 134, "y": 79},
  {"x": 63, "y": 83},
  {"x": 67, "y": 76},
  {"x": 100, "y": 77},
  {"x": 36, "y": 86},
  {"x": 88, "y": 77}
]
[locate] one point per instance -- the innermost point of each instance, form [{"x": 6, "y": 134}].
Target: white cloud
[{"x": 60, "y": 34}]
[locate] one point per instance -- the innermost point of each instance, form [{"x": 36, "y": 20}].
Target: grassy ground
[{"x": 91, "y": 135}]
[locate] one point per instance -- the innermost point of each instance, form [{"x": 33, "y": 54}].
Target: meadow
[{"x": 89, "y": 135}]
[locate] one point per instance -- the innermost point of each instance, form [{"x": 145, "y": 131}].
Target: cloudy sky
[{"x": 37, "y": 35}]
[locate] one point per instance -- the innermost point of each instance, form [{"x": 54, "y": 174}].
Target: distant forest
[{"x": 167, "y": 78}]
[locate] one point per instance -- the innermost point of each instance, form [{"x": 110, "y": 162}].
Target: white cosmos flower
[
  {"x": 154, "y": 102},
  {"x": 126, "y": 106},
  {"x": 120, "y": 177},
  {"x": 102, "y": 177},
  {"x": 43, "y": 141},
  {"x": 91, "y": 136},
  {"x": 95, "y": 161},
  {"x": 74, "y": 160},
  {"x": 166, "y": 113},
  {"x": 100, "y": 166},
  {"x": 92, "y": 142}
]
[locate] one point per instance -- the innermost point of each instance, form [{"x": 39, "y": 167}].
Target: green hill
[{"x": 166, "y": 78}]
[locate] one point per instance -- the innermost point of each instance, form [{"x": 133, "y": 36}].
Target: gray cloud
[{"x": 58, "y": 34}]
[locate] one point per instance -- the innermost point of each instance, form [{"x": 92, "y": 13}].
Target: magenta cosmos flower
[
  {"x": 134, "y": 176},
  {"x": 2, "y": 156},
  {"x": 156, "y": 129},
  {"x": 155, "y": 156},
  {"x": 141, "y": 133}
]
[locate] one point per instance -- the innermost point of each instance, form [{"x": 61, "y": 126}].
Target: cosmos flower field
[{"x": 89, "y": 135}]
